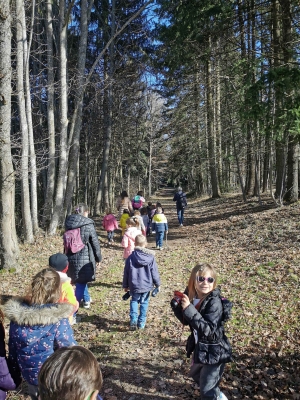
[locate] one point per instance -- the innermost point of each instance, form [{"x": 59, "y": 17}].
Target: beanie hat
[{"x": 58, "y": 261}]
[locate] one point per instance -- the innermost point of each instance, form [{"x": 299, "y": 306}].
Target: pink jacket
[
  {"x": 109, "y": 222},
  {"x": 128, "y": 240}
]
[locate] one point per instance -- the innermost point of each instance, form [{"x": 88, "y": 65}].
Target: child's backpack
[
  {"x": 136, "y": 202},
  {"x": 72, "y": 241}
]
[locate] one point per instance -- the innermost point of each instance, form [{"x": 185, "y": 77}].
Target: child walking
[
  {"x": 6, "y": 381},
  {"x": 133, "y": 229},
  {"x": 60, "y": 263},
  {"x": 137, "y": 214},
  {"x": 203, "y": 309},
  {"x": 146, "y": 221},
  {"x": 110, "y": 223},
  {"x": 159, "y": 226},
  {"x": 38, "y": 325},
  {"x": 123, "y": 220},
  {"x": 71, "y": 373},
  {"x": 140, "y": 275}
]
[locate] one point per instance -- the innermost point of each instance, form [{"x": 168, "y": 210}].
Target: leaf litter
[{"x": 256, "y": 252}]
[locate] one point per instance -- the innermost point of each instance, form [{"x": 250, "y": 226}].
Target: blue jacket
[
  {"x": 159, "y": 223},
  {"x": 141, "y": 271},
  {"x": 35, "y": 332}
]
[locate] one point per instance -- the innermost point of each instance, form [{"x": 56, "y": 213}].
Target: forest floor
[{"x": 256, "y": 250}]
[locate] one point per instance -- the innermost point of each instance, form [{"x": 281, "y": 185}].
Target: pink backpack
[{"x": 72, "y": 241}]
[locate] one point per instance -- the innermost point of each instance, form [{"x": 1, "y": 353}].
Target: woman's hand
[{"x": 185, "y": 301}]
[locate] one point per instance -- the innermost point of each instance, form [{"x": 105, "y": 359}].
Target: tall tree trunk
[
  {"x": 32, "y": 155},
  {"x": 63, "y": 151},
  {"x": 25, "y": 193},
  {"x": 74, "y": 139},
  {"x": 107, "y": 109},
  {"x": 211, "y": 133},
  {"x": 50, "y": 118},
  {"x": 9, "y": 248}
]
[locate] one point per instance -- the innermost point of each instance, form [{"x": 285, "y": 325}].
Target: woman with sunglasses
[{"x": 201, "y": 308}]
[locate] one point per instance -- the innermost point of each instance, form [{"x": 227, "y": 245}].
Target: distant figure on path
[
  {"x": 138, "y": 201},
  {"x": 159, "y": 226},
  {"x": 124, "y": 203},
  {"x": 181, "y": 203},
  {"x": 110, "y": 223}
]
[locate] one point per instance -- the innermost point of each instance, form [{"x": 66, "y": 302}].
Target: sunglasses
[{"x": 202, "y": 279}]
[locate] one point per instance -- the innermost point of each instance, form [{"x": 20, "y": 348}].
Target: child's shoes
[{"x": 133, "y": 326}]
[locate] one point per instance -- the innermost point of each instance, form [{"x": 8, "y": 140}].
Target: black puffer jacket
[
  {"x": 212, "y": 346},
  {"x": 82, "y": 265}
]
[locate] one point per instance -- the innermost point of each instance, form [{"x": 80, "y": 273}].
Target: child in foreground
[
  {"x": 38, "y": 325},
  {"x": 140, "y": 275},
  {"x": 133, "y": 229},
  {"x": 110, "y": 223},
  {"x": 71, "y": 373},
  {"x": 123, "y": 220},
  {"x": 201, "y": 307},
  {"x": 159, "y": 226},
  {"x": 60, "y": 263}
]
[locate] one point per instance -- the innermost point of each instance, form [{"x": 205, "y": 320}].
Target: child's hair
[
  {"x": 200, "y": 270},
  {"x": 140, "y": 241},
  {"x": 149, "y": 203},
  {"x": 81, "y": 208},
  {"x": 125, "y": 211},
  {"x": 124, "y": 194},
  {"x": 45, "y": 287},
  {"x": 144, "y": 211},
  {"x": 140, "y": 193},
  {"x": 133, "y": 221},
  {"x": 108, "y": 211},
  {"x": 158, "y": 204},
  {"x": 70, "y": 373},
  {"x": 158, "y": 210},
  {"x": 137, "y": 212}
]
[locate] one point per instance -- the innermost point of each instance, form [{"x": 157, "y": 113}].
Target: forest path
[{"x": 256, "y": 252}]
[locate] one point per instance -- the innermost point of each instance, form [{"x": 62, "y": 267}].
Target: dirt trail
[{"x": 255, "y": 250}]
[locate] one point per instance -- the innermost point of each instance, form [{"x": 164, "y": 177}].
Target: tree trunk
[
  {"x": 9, "y": 248},
  {"x": 75, "y": 130},
  {"x": 211, "y": 134},
  {"x": 50, "y": 119},
  {"x": 63, "y": 151},
  {"x": 25, "y": 193},
  {"x": 107, "y": 109}
]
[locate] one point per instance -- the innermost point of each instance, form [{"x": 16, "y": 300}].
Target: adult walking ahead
[
  {"x": 124, "y": 203},
  {"x": 181, "y": 203},
  {"x": 82, "y": 264}
]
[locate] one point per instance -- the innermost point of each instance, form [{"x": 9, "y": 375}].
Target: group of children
[
  {"x": 42, "y": 348},
  {"x": 144, "y": 220}
]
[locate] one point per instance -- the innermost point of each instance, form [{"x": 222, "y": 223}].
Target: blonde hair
[
  {"x": 108, "y": 211},
  {"x": 45, "y": 287},
  {"x": 200, "y": 270},
  {"x": 140, "y": 241},
  {"x": 81, "y": 208},
  {"x": 137, "y": 212},
  {"x": 133, "y": 221}
]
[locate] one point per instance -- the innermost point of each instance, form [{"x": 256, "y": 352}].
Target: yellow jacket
[
  {"x": 67, "y": 293},
  {"x": 123, "y": 220}
]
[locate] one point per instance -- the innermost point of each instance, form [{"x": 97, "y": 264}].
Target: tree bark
[
  {"x": 9, "y": 248},
  {"x": 25, "y": 192}
]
